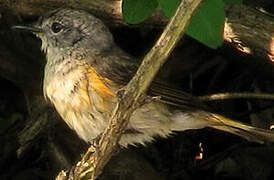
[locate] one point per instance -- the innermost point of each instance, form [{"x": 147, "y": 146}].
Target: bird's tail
[
  {"x": 203, "y": 119},
  {"x": 243, "y": 130}
]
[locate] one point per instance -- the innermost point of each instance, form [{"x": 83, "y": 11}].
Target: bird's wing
[
  {"x": 120, "y": 68},
  {"x": 174, "y": 96}
]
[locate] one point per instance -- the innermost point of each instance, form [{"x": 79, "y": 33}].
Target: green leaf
[
  {"x": 207, "y": 24},
  {"x": 136, "y": 11},
  {"x": 169, "y": 6},
  {"x": 233, "y": 1}
]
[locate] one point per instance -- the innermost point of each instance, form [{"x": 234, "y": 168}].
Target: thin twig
[{"x": 242, "y": 95}]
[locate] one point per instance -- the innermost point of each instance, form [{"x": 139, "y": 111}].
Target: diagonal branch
[{"x": 130, "y": 96}]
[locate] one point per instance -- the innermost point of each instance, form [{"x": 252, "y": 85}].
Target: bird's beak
[{"x": 28, "y": 28}]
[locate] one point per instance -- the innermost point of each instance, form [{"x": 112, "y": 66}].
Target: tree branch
[
  {"x": 250, "y": 31},
  {"x": 129, "y": 97}
]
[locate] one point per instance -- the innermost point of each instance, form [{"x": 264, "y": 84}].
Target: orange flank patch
[
  {"x": 99, "y": 84},
  {"x": 100, "y": 93}
]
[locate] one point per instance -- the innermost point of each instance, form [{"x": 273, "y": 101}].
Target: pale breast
[{"x": 82, "y": 98}]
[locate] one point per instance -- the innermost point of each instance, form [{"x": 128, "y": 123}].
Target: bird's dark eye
[{"x": 56, "y": 27}]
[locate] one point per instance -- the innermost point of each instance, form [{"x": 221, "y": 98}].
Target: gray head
[{"x": 67, "y": 29}]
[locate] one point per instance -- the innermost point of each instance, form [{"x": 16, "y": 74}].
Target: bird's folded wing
[
  {"x": 174, "y": 96},
  {"x": 119, "y": 68}
]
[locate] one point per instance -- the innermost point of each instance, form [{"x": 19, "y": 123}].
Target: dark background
[{"x": 40, "y": 153}]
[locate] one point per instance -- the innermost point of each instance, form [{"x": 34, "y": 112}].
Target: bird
[{"x": 85, "y": 69}]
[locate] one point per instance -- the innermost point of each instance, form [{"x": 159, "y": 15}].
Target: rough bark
[{"x": 250, "y": 31}]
